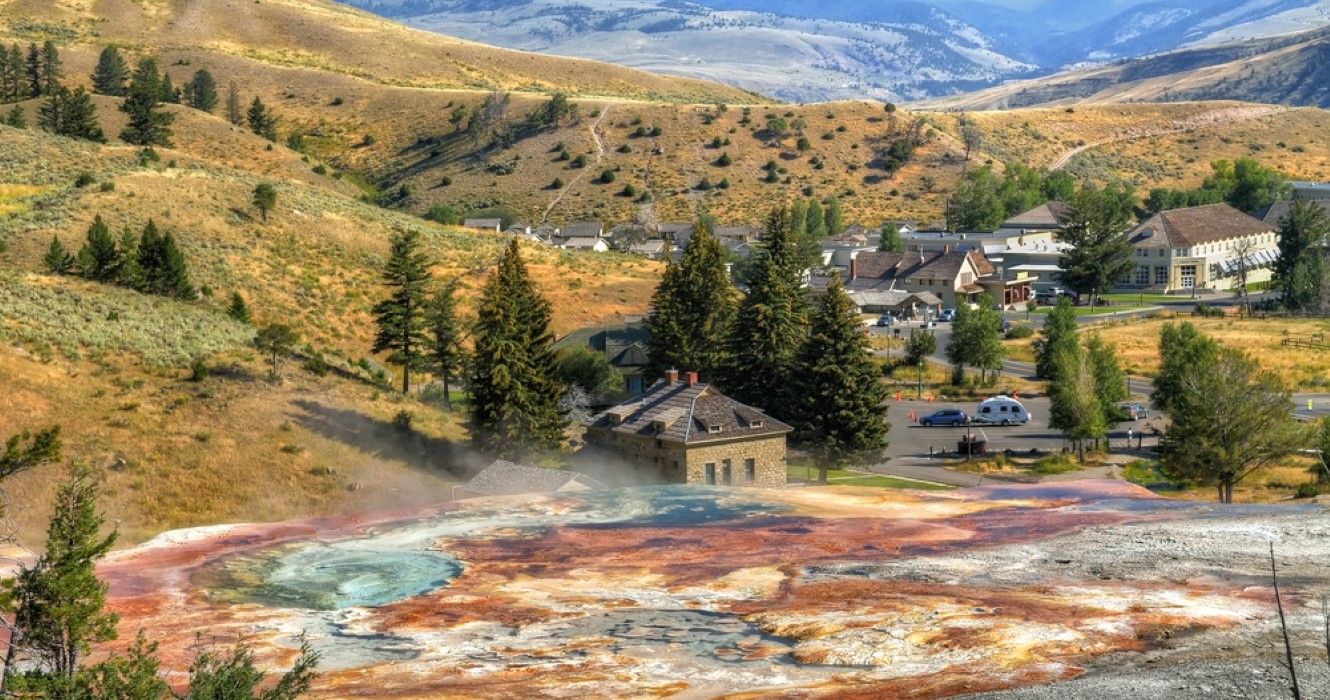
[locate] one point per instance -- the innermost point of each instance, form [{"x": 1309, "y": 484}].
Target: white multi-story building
[{"x": 1201, "y": 247}]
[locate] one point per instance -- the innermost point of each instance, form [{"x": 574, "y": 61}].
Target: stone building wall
[{"x": 768, "y": 455}]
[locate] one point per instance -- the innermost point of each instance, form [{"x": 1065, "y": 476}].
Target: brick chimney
[
  {"x": 671, "y": 376},
  {"x": 691, "y": 378}
]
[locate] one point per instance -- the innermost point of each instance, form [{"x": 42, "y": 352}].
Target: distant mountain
[
  {"x": 1293, "y": 70},
  {"x": 919, "y": 52},
  {"x": 815, "y": 50}
]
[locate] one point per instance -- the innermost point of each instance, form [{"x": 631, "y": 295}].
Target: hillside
[
  {"x": 330, "y": 38},
  {"x": 108, "y": 364},
  {"x": 1288, "y": 70}
]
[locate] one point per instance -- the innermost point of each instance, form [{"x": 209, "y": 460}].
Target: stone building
[{"x": 685, "y": 432}]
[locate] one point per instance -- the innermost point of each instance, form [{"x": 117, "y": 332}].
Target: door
[
  {"x": 710, "y": 474},
  {"x": 1187, "y": 276},
  {"x": 725, "y": 476}
]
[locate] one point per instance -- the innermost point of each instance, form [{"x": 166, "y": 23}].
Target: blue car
[{"x": 947, "y": 416}]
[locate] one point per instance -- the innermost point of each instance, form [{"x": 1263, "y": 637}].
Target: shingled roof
[
  {"x": 874, "y": 266},
  {"x": 1049, "y": 215},
  {"x": 677, "y": 411},
  {"x": 504, "y": 478},
  {"x": 1280, "y": 209},
  {"x": 1183, "y": 228}
]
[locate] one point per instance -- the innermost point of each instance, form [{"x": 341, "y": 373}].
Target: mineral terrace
[{"x": 1097, "y": 588}]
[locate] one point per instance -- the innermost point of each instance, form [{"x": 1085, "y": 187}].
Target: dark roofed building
[
  {"x": 684, "y": 431},
  {"x": 1201, "y": 247},
  {"x": 484, "y": 224},
  {"x": 1049, "y": 216},
  {"x": 1273, "y": 213},
  {"x": 504, "y": 478},
  {"x": 623, "y": 345},
  {"x": 954, "y": 276},
  {"x": 583, "y": 229}
]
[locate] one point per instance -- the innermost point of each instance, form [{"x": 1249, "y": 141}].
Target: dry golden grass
[
  {"x": 1137, "y": 344},
  {"x": 937, "y": 383}
]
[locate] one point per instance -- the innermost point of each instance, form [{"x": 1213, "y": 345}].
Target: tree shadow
[{"x": 384, "y": 440}]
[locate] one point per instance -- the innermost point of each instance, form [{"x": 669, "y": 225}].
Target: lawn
[
  {"x": 797, "y": 473},
  {"x": 1094, "y": 310},
  {"x": 1146, "y": 298}
]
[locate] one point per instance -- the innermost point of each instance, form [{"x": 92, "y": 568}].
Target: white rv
[{"x": 1001, "y": 410}]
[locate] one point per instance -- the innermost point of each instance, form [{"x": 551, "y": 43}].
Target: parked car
[
  {"x": 947, "y": 315},
  {"x": 1002, "y": 410},
  {"x": 1049, "y": 295},
  {"x": 947, "y": 416},
  {"x": 885, "y": 320},
  {"x": 1134, "y": 411}
]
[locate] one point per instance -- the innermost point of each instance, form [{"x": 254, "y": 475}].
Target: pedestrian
[{"x": 1129, "y": 438}]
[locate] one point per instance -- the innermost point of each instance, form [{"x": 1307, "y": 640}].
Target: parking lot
[{"x": 909, "y": 439}]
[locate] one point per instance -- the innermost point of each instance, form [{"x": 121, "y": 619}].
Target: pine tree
[
  {"x": 692, "y": 309},
  {"x": 234, "y": 676},
  {"x": 58, "y": 260},
  {"x": 238, "y": 310},
  {"x": 203, "y": 91},
  {"x": 58, "y": 599},
  {"x": 265, "y": 199},
  {"x": 162, "y": 267},
  {"x": 98, "y": 258},
  {"x": 1302, "y": 233},
  {"x": 148, "y": 124},
  {"x": 34, "y": 71},
  {"x": 1100, "y": 255},
  {"x": 838, "y": 402},
  {"x": 401, "y": 317},
  {"x": 234, "y": 112},
  {"x": 130, "y": 275},
  {"x": 1058, "y": 332},
  {"x": 109, "y": 77},
  {"x": 975, "y": 339},
  {"x": 1180, "y": 347},
  {"x": 50, "y": 77},
  {"x": 445, "y": 335},
  {"x": 70, "y": 114},
  {"x": 15, "y": 84},
  {"x": 815, "y": 226},
  {"x": 134, "y": 676},
  {"x": 276, "y": 340},
  {"x": 166, "y": 92},
  {"x": 261, "y": 121},
  {"x": 515, "y": 391},
  {"x": 770, "y": 325}
]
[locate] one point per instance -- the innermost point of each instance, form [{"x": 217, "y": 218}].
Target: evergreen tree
[
  {"x": 1058, "y": 333},
  {"x": 261, "y": 121},
  {"x": 131, "y": 275},
  {"x": 131, "y": 677},
  {"x": 1074, "y": 408},
  {"x": 15, "y": 118},
  {"x": 162, "y": 266},
  {"x": 835, "y": 219},
  {"x": 51, "y": 72},
  {"x": 11, "y": 73},
  {"x": 276, "y": 340},
  {"x": 34, "y": 71},
  {"x": 447, "y": 356},
  {"x": 515, "y": 391},
  {"x": 234, "y": 113},
  {"x": 799, "y": 219},
  {"x": 203, "y": 91},
  {"x": 1110, "y": 382},
  {"x": 1180, "y": 346},
  {"x": 265, "y": 199},
  {"x": 58, "y": 600},
  {"x": 814, "y": 223},
  {"x": 1297, "y": 274},
  {"x": 975, "y": 339},
  {"x": 166, "y": 91},
  {"x": 99, "y": 258},
  {"x": 70, "y": 114},
  {"x": 1100, "y": 255},
  {"x": 239, "y": 310},
  {"x": 401, "y": 317},
  {"x": 148, "y": 124},
  {"x": 234, "y": 676},
  {"x": 58, "y": 261},
  {"x": 692, "y": 310},
  {"x": 770, "y": 325},
  {"x": 109, "y": 77},
  {"x": 838, "y": 400},
  {"x": 891, "y": 239}
]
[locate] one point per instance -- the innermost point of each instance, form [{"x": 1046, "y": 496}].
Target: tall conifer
[
  {"x": 769, "y": 327},
  {"x": 1058, "y": 333},
  {"x": 58, "y": 261},
  {"x": 51, "y": 72},
  {"x": 99, "y": 258},
  {"x": 148, "y": 124},
  {"x": 109, "y": 77},
  {"x": 692, "y": 309},
  {"x": 401, "y": 317},
  {"x": 203, "y": 91},
  {"x": 446, "y": 354},
  {"x": 838, "y": 400}
]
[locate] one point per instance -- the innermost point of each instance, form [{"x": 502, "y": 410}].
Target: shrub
[
  {"x": 368, "y": 140},
  {"x": 607, "y": 177},
  {"x": 320, "y": 169},
  {"x": 83, "y": 180},
  {"x": 629, "y": 190},
  {"x": 338, "y": 102},
  {"x": 403, "y": 421},
  {"x": 1055, "y": 464},
  {"x": 198, "y": 370},
  {"x": 625, "y": 148},
  {"x": 578, "y": 162},
  {"x": 106, "y": 187},
  {"x": 446, "y": 181},
  {"x": 724, "y": 160},
  {"x": 1307, "y": 491},
  {"x": 1018, "y": 332},
  {"x": 557, "y": 184}
]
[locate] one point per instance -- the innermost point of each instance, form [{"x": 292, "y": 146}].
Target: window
[
  {"x": 725, "y": 475},
  {"x": 1161, "y": 275},
  {"x": 986, "y": 409},
  {"x": 1002, "y": 408},
  {"x": 713, "y": 429},
  {"x": 750, "y": 469},
  {"x": 1187, "y": 276},
  {"x": 1162, "y": 252},
  {"x": 710, "y": 470},
  {"x": 1142, "y": 274}
]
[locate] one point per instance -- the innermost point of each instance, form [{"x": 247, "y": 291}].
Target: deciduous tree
[
  {"x": 276, "y": 340},
  {"x": 265, "y": 199}
]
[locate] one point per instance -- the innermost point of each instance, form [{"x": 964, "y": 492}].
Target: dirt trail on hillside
[
  {"x": 600, "y": 156},
  {"x": 1218, "y": 117}
]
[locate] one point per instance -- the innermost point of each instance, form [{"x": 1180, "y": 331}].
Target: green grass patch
[
  {"x": 1055, "y": 464},
  {"x": 1143, "y": 472},
  {"x": 846, "y": 477},
  {"x": 1097, "y": 310}
]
